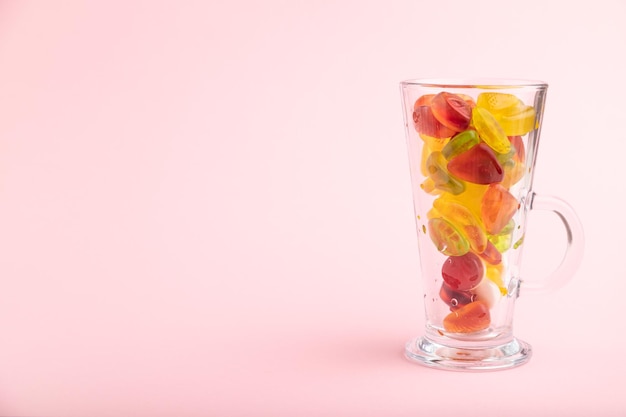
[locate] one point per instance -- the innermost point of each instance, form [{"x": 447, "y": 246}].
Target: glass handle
[{"x": 575, "y": 243}]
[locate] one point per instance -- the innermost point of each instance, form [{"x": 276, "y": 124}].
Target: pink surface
[{"x": 206, "y": 210}]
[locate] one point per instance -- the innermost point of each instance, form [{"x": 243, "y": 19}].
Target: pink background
[{"x": 205, "y": 207}]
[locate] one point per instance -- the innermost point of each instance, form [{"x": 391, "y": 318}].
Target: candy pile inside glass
[{"x": 473, "y": 153}]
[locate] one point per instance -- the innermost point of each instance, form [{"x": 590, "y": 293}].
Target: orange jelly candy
[
  {"x": 513, "y": 173},
  {"x": 498, "y": 208},
  {"x": 470, "y": 318},
  {"x": 470, "y": 101},
  {"x": 520, "y": 151},
  {"x": 424, "y": 100},
  {"x": 451, "y": 111},
  {"x": 491, "y": 254}
]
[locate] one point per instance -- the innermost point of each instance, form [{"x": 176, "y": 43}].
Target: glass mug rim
[{"x": 478, "y": 83}]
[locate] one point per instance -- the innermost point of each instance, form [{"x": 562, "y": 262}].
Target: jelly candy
[
  {"x": 503, "y": 239},
  {"x": 426, "y": 123},
  {"x": 514, "y": 168},
  {"x": 433, "y": 213},
  {"x": 491, "y": 254},
  {"x": 495, "y": 274},
  {"x": 478, "y": 165},
  {"x": 424, "y": 100},
  {"x": 498, "y": 102},
  {"x": 465, "y": 221},
  {"x": 471, "y": 197},
  {"x": 434, "y": 144},
  {"x": 436, "y": 167},
  {"x": 498, "y": 207},
  {"x": 454, "y": 298},
  {"x": 473, "y": 153},
  {"x": 503, "y": 158},
  {"x": 460, "y": 143},
  {"x": 513, "y": 172},
  {"x": 517, "y": 121},
  {"x": 430, "y": 145},
  {"x": 425, "y": 155},
  {"x": 428, "y": 185},
  {"x": 451, "y": 111},
  {"x": 447, "y": 238},
  {"x": 463, "y": 272},
  {"x": 520, "y": 151},
  {"x": 470, "y": 318},
  {"x": 470, "y": 101},
  {"x": 513, "y": 116},
  {"x": 490, "y": 130}
]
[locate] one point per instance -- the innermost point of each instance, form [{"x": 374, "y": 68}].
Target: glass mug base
[{"x": 425, "y": 351}]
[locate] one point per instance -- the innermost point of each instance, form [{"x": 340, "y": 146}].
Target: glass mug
[{"x": 472, "y": 149}]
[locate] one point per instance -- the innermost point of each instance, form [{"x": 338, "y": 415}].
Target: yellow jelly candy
[
  {"x": 497, "y": 102},
  {"x": 464, "y": 221},
  {"x": 514, "y": 117},
  {"x": 495, "y": 273},
  {"x": 426, "y": 151},
  {"x": 470, "y": 198},
  {"x": 434, "y": 144},
  {"x": 432, "y": 213},
  {"x": 429, "y": 186},
  {"x": 517, "y": 121},
  {"x": 490, "y": 130}
]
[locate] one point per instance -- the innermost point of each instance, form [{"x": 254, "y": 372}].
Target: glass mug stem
[{"x": 472, "y": 148}]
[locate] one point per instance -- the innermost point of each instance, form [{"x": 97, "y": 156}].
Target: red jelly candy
[
  {"x": 452, "y": 111},
  {"x": 497, "y": 208},
  {"x": 470, "y": 318},
  {"x": 455, "y": 299},
  {"x": 463, "y": 272},
  {"x": 426, "y": 123},
  {"x": 478, "y": 165}
]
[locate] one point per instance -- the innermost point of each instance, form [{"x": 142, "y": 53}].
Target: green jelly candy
[
  {"x": 506, "y": 158},
  {"x": 438, "y": 172},
  {"x": 447, "y": 238},
  {"x": 503, "y": 239},
  {"x": 460, "y": 143}
]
